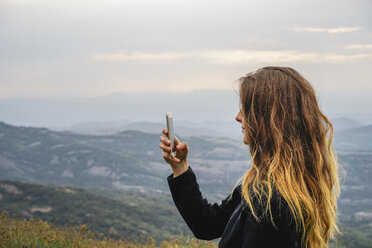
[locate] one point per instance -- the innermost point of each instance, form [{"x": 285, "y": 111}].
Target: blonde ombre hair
[{"x": 290, "y": 141}]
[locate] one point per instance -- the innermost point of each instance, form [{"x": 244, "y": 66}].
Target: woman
[{"x": 288, "y": 197}]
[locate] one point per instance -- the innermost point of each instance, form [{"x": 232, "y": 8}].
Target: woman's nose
[{"x": 238, "y": 117}]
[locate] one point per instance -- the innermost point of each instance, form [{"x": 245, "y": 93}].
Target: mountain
[
  {"x": 357, "y": 139},
  {"x": 128, "y": 218},
  {"x": 37, "y": 154},
  {"x": 129, "y": 160},
  {"x": 194, "y": 106},
  {"x": 97, "y": 128},
  {"x": 183, "y": 128},
  {"x": 147, "y": 106},
  {"x": 343, "y": 123},
  {"x": 186, "y": 128}
]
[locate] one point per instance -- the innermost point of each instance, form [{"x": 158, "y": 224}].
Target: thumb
[
  {"x": 182, "y": 146},
  {"x": 176, "y": 141}
]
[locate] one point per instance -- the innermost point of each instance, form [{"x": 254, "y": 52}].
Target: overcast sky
[{"x": 95, "y": 48}]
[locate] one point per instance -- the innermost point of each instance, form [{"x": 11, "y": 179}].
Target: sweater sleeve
[{"x": 206, "y": 221}]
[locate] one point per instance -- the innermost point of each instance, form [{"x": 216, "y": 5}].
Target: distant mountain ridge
[
  {"x": 184, "y": 129},
  {"x": 147, "y": 106},
  {"x": 354, "y": 139},
  {"x": 216, "y": 128},
  {"x": 196, "y": 106},
  {"x": 343, "y": 123}
]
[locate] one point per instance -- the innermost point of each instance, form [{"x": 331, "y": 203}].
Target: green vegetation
[
  {"x": 132, "y": 216},
  {"x": 352, "y": 239},
  {"x": 35, "y": 233}
]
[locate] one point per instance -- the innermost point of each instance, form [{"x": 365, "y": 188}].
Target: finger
[
  {"x": 165, "y": 140},
  {"x": 165, "y": 131},
  {"x": 176, "y": 141},
  {"x": 164, "y": 147},
  {"x": 167, "y": 156}
]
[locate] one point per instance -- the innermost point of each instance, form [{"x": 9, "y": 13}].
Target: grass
[{"x": 34, "y": 233}]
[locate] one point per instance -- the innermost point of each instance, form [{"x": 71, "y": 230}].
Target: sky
[{"x": 95, "y": 48}]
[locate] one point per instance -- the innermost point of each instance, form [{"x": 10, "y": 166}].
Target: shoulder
[
  {"x": 235, "y": 197},
  {"x": 237, "y": 194}
]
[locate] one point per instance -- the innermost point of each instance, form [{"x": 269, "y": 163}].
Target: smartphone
[{"x": 171, "y": 133}]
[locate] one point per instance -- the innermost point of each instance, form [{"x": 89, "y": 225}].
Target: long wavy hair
[{"x": 290, "y": 141}]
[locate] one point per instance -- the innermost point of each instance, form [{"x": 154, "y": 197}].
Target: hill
[
  {"x": 147, "y": 106},
  {"x": 129, "y": 160},
  {"x": 133, "y": 217},
  {"x": 357, "y": 139},
  {"x": 343, "y": 123},
  {"x": 79, "y": 216},
  {"x": 184, "y": 129},
  {"x": 35, "y": 233}
]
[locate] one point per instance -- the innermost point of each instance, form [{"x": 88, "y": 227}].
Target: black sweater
[{"x": 232, "y": 220}]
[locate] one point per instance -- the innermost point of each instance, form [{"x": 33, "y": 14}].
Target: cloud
[
  {"x": 343, "y": 58},
  {"x": 359, "y": 46},
  {"x": 214, "y": 56},
  {"x": 326, "y": 30},
  {"x": 233, "y": 57},
  {"x": 139, "y": 56}
]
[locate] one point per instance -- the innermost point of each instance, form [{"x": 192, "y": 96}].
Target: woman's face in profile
[{"x": 239, "y": 118}]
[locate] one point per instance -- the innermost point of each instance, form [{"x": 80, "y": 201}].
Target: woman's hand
[{"x": 179, "y": 162}]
